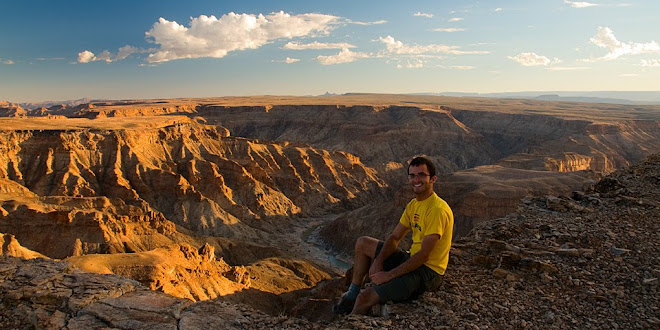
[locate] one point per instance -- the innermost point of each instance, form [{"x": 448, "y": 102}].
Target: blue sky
[{"x": 58, "y": 50}]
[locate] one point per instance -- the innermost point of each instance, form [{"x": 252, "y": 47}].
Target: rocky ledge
[{"x": 589, "y": 261}]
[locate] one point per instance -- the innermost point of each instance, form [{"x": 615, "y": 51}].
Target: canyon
[{"x": 237, "y": 201}]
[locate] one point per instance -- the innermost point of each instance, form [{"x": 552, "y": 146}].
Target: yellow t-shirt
[{"x": 430, "y": 216}]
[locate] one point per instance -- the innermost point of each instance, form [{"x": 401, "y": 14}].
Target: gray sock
[{"x": 352, "y": 292}]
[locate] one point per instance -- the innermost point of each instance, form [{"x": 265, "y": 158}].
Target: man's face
[{"x": 420, "y": 180}]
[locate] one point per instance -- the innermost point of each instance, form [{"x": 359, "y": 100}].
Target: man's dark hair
[{"x": 417, "y": 161}]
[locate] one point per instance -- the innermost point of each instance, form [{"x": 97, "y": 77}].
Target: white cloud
[
  {"x": 417, "y": 64},
  {"x": 580, "y": 4},
  {"x": 463, "y": 67},
  {"x": 652, "y": 63},
  {"x": 344, "y": 56},
  {"x": 532, "y": 59},
  {"x": 208, "y": 36},
  {"x": 104, "y": 56},
  {"x": 291, "y": 60},
  {"x": 584, "y": 4},
  {"x": 629, "y": 75},
  {"x": 605, "y": 38},
  {"x": 86, "y": 56},
  {"x": 448, "y": 29},
  {"x": 455, "y": 19},
  {"x": 423, "y": 14},
  {"x": 368, "y": 23},
  {"x": 566, "y": 68},
  {"x": 498, "y": 9},
  {"x": 397, "y": 47},
  {"x": 317, "y": 45},
  {"x": 125, "y": 52}
]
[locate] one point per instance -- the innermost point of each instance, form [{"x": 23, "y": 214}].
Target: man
[{"x": 396, "y": 275}]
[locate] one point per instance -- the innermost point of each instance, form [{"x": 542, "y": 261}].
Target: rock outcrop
[
  {"x": 196, "y": 274},
  {"x": 8, "y": 109},
  {"x": 11, "y": 247}
]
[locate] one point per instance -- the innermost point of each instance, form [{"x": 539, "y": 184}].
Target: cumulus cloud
[
  {"x": 208, "y": 36},
  {"x": 532, "y": 59},
  {"x": 290, "y": 60},
  {"x": 498, "y": 9},
  {"x": 125, "y": 52},
  {"x": 651, "y": 63},
  {"x": 455, "y": 19},
  {"x": 344, "y": 56},
  {"x": 6, "y": 61},
  {"x": 420, "y": 14},
  {"x": 317, "y": 45},
  {"x": 398, "y": 47},
  {"x": 448, "y": 29},
  {"x": 605, "y": 38},
  {"x": 86, "y": 56}
]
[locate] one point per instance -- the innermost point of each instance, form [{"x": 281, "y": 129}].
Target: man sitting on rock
[{"x": 398, "y": 275}]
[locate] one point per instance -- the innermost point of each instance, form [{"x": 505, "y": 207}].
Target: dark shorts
[{"x": 408, "y": 286}]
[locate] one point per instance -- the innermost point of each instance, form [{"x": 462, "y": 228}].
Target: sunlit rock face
[{"x": 190, "y": 175}]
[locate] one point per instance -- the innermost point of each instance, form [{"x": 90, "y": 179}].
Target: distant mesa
[
  {"x": 613, "y": 97},
  {"x": 11, "y": 110}
]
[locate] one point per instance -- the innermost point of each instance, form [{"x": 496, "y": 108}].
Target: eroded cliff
[{"x": 192, "y": 175}]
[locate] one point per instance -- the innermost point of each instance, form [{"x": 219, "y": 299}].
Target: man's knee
[
  {"x": 368, "y": 295},
  {"x": 365, "y": 300},
  {"x": 367, "y": 245}
]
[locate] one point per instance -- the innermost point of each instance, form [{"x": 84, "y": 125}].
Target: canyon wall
[
  {"x": 189, "y": 175},
  {"x": 533, "y": 145},
  {"x": 231, "y": 168},
  {"x": 455, "y": 138},
  {"x": 379, "y": 135}
]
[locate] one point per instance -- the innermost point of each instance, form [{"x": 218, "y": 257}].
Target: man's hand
[
  {"x": 381, "y": 277},
  {"x": 375, "y": 268}
]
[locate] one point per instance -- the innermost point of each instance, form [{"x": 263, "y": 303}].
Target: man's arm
[
  {"x": 416, "y": 260},
  {"x": 388, "y": 248}
]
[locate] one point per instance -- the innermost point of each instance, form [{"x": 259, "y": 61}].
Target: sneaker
[{"x": 344, "y": 306}]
